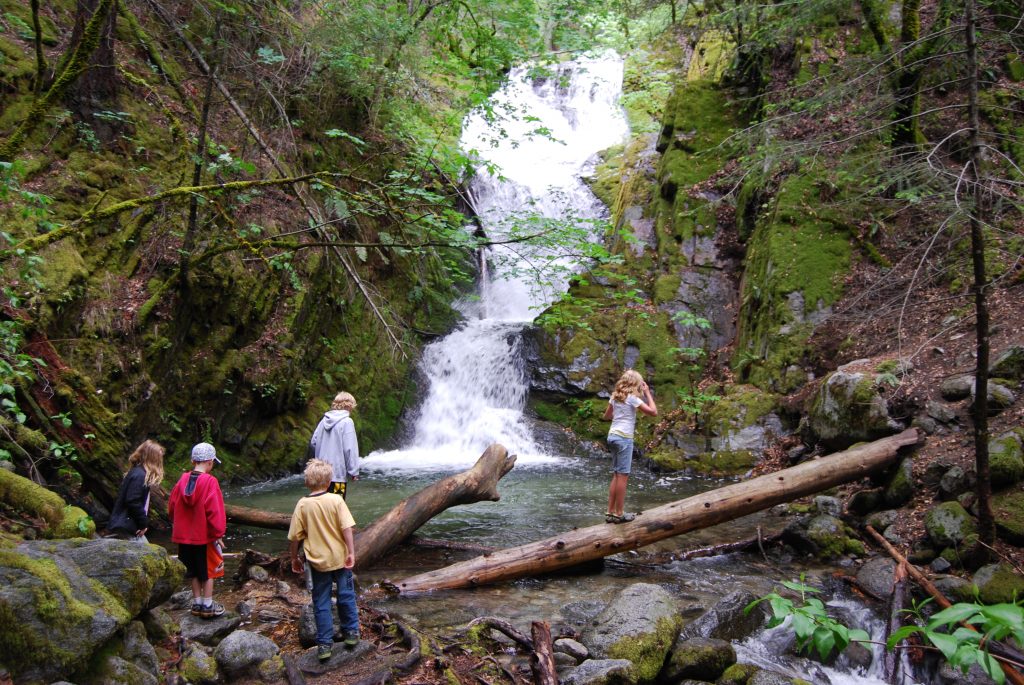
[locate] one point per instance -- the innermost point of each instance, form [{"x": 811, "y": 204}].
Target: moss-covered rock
[
  {"x": 1006, "y": 459},
  {"x": 948, "y": 524},
  {"x": 698, "y": 658},
  {"x": 1009, "y": 364},
  {"x": 59, "y": 600},
  {"x": 846, "y": 409},
  {"x": 998, "y": 583},
  {"x": 737, "y": 674},
  {"x": 640, "y": 625},
  {"x": 900, "y": 487},
  {"x": 1008, "y": 510},
  {"x": 199, "y": 667}
]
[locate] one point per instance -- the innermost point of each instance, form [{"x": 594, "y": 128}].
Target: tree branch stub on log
[{"x": 675, "y": 518}]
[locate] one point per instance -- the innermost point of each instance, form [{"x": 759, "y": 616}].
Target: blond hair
[
  {"x": 150, "y": 456},
  {"x": 318, "y": 474},
  {"x": 628, "y": 384},
  {"x": 344, "y": 400}
]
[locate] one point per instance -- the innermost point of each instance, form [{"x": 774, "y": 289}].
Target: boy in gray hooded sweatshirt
[{"x": 334, "y": 441}]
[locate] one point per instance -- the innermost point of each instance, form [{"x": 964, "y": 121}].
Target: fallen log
[
  {"x": 478, "y": 484},
  {"x": 700, "y": 511}
]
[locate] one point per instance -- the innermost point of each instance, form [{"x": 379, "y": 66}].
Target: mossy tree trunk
[{"x": 96, "y": 88}]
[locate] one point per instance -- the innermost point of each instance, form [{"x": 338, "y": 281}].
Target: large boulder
[
  {"x": 60, "y": 600},
  {"x": 1008, "y": 510},
  {"x": 1009, "y": 364},
  {"x": 728, "y": 619},
  {"x": 848, "y": 409},
  {"x": 1006, "y": 459},
  {"x": 698, "y": 658},
  {"x": 209, "y": 631},
  {"x": 949, "y": 524},
  {"x": 640, "y": 624},
  {"x": 198, "y": 666},
  {"x": 876, "y": 575}
]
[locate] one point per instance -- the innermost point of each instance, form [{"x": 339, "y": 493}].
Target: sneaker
[
  {"x": 323, "y": 652},
  {"x": 197, "y": 609},
  {"x": 213, "y": 611},
  {"x": 350, "y": 638}
]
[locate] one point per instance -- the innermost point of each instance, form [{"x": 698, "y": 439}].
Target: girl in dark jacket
[{"x": 129, "y": 519}]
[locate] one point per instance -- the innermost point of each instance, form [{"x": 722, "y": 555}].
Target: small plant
[
  {"x": 64, "y": 418},
  {"x": 813, "y": 627}
]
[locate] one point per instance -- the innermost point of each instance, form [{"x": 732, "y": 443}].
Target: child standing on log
[
  {"x": 631, "y": 393},
  {"x": 196, "y": 510},
  {"x": 323, "y": 525}
]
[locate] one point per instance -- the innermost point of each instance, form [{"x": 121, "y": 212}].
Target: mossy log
[
  {"x": 480, "y": 483},
  {"x": 693, "y": 513},
  {"x": 35, "y": 501}
]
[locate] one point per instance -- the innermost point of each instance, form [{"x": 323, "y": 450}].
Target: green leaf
[
  {"x": 954, "y": 614},
  {"x": 947, "y": 644},
  {"x": 824, "y": 641}
]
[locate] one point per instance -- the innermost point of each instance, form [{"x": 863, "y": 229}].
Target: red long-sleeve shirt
[{"x": 197, "y": 514}]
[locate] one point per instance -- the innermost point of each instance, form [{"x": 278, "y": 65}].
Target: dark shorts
[
  {"x": 194, "y": 558},
  {"x": 337, "y": 488}
]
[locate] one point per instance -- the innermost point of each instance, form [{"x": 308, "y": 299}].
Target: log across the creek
[
  {"x": 478, "y": 484},
  {"x": 707, "y": 509}
]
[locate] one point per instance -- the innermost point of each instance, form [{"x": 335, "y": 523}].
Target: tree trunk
[
  {"x": 97, "y": 87},
  {"x": 986, "y": 521},
  {"x": 475, "y": 485},
  {"x": 700, "y": 511}
]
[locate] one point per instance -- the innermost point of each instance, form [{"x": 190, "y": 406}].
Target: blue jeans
[
  {"x": 347, "y": 610},
  {"x": 622, "y": 453}
]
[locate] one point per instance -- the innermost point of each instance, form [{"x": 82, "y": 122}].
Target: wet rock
[
  {"x": 764, "y": 677},
  {"x": 198, "y": 667},
  {"x": 640, "y": 624},
  {"x": 1009, "y": 364},
  {"x": 602, "y": 672},
  {"x": 956, "y": 481},
  {"x": 848, "y": 409},
  {"x": 242, "y": 652},
  {"x": 949, "y": 525},
  {"x": 855, "y": 656},
  {"x": 1006, "y": 459},
  {"x": 876, "y": 576},
  {"x": 571, "y": 647},
  {"x": 308, "y": 663},
  {"x": 900, "y": 488},
  {"x": 940, "y": 411},
  {"x": 93, "y": 588},
  {"x": 957, "y": 387},
  {"x": 998, "y": 583},
  {"x": 922, "y": 552},
  {"x": 698, "y": 658},
  {"x": 727, "y": 619},
  {"x": 209, "y": 631},
  {"x": 939, "y": 565},
  {"x": 955, "y": 588}
]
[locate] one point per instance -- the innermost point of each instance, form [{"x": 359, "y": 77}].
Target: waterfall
[{"x": 540, "y": 140}]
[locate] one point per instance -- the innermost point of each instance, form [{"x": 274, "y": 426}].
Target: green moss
[
  {"x": 54, "y": 598},
  {"x": 740, "y": 407},
  {"x": 665, "y": 287},
  {"x": 1008, "y": 510},
  {"x": 75, "y": 524},
  {"x": 647, "y": 653},
  {"x": 737, "y": 674},
  {"x": 998, "y": 584},
  {"x": 34, "y": 500}
]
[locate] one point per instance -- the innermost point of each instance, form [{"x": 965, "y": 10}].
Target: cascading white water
[{"x": 540, "y": 139}]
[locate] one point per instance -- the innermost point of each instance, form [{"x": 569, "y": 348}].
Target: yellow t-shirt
[{"x": 318, "y": 521}]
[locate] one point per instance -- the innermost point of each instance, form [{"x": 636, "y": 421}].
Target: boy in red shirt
[{"x": 196, "y": 510}]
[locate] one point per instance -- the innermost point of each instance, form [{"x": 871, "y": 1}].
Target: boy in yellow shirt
[{"x": 323, "y": 525}]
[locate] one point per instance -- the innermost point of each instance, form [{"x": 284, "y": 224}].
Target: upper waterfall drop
[{"x": 542, "y": 137}]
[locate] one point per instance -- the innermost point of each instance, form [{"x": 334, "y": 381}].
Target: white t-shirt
[{"x": 624, "y": 416}]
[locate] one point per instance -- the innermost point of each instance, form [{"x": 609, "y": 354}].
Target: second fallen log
[{"x": 707, "y": 509}]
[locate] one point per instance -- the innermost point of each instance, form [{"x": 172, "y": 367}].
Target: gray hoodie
[{"x": 334, "y": 441}]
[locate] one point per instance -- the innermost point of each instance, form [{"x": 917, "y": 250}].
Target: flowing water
[{"x": 541, "y": 140}]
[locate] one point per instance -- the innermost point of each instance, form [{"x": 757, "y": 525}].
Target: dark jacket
[{"x": 129, "y": 512}]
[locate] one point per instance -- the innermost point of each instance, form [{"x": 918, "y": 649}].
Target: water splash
[{"x": 540, "y": 138}]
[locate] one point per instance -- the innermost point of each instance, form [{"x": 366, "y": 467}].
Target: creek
[{"x": 476, "y": 384}]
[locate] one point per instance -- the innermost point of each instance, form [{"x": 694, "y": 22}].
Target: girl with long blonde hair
[
  {"x": 631, "y": 393},
  {"x": 129, "y": 518}
]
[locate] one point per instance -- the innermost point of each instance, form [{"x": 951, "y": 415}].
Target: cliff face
[{"x": 233, "y": 312}]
